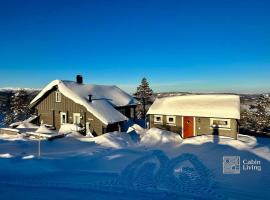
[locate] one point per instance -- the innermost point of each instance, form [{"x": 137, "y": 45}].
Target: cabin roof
[
  {"x": 104, "y": 98},
  {"x": 220, "y": 106}
]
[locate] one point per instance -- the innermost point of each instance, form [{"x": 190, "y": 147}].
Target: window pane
[
  {"x": 220, "y": 122},
  {"x": 58, "y": 97}
]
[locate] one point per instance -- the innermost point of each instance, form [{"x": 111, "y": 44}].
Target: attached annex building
[
  {"x": 193, "y": 115},
  {"x": 98, "y": 108}
]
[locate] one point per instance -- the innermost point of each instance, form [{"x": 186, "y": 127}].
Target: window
[
  {"x": 63, "y": 117},
  {"x": 220, "y": 123},
  {"x": 58, "y": 97},
  {"x": 170, "y": 119},
  {"x": 76, "y": 118},
  {"x": 158, "y": 119}
]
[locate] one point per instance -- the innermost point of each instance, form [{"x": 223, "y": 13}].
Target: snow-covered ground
[{"x": 140, "y": 164}]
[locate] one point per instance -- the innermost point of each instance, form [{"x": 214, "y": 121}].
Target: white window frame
[
  {"x": 61, "y": 118},
  {"x": 158, "y": 122},
  {"x": 228, "y": 126},
  {"x": 74, "y": 118},
  {"x": 58, "y": 97},
  {"x": 171, "y": 123}
]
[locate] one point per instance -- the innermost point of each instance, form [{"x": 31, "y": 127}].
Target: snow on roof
[
  {"x": 220, "y": 106},
  {"x": 104, "y": 98}
]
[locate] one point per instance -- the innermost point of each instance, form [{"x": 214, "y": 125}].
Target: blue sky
[{"x": 207, "y": 46}]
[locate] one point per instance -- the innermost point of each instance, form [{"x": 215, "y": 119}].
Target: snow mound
[
  {"x": 27, "y": 125},
  {"x": 156, "y": 136},
  {"x": 6, "y": 155},
  {"x": 28, "y": 157},
  {"x": 45, "y": 130},
  {"x": 27, "y": 121},
  {"x": 8, "y": 137},
  {"x": 70, "y": 128},
  {"x": 115, "y": 140},
  {"x": 137, "y": 128}
]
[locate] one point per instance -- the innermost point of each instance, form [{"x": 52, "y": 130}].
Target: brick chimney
[{"x": 79, "y": 79}]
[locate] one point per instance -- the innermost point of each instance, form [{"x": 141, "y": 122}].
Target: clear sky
[{"x": 188, "y": 45}]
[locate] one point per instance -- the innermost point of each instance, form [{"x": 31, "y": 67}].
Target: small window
[
  {"x": 158, "y": 119},
  {"x": 220, "y": 123},
  {"x": 170, "y": 119},
  {"x": 58, "y": 97}
]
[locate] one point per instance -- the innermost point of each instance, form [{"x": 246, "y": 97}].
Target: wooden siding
[
  {"x": 177, "y": 128},
  {"x": 48, "y": 105},
  {"x": 202, "y": 126}
]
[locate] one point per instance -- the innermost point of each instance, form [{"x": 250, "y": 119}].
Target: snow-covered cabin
[
  {"x": 193, "y": 115},
  {"x": 98, "y": 108}
]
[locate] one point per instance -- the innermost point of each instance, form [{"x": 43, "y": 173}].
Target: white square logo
[{"x": 231, "y": 164}]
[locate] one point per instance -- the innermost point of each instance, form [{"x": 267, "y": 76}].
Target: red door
[{"x": 188, "y": 127}]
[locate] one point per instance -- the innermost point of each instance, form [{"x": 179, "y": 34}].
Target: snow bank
[
  {"x": 69, "y": 128},
  {"x": 11, "y": 137},
  {"x": 243, "y": 143},
  {"x": 27, "y": 125},
  {"x": 27, "y": 121},
  {"x": 116, "y": 140},
  {"x": 28, "y": 157},
  {"x": 104, "y": 98},
  {"x": 137, "y": 128},
  {"x": 221, "y": 106},
  {"x": 43, "y": 129},
  {"x": 156, "y": 136}
]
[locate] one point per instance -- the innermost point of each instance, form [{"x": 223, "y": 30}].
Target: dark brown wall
[
  {"x": 126, "y": 110},
  {"x": 48, "y": 105},
  {"x": 202, "y": 126}
]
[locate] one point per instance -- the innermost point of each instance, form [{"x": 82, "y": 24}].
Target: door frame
[
  {"x": 194, "y": 126},
  {"x": 87, "y": 127},
  {"x": 61, "y": 119},
  {"x": 76, "y": 115}
]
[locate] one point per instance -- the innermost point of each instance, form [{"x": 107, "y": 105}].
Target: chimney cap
[{"x": 90, "y": 97}]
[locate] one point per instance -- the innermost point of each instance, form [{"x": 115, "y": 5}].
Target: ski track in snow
[{"x": 151, "y": 176}]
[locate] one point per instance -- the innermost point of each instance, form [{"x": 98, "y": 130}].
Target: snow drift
[{"x": 156, "y": 136}]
